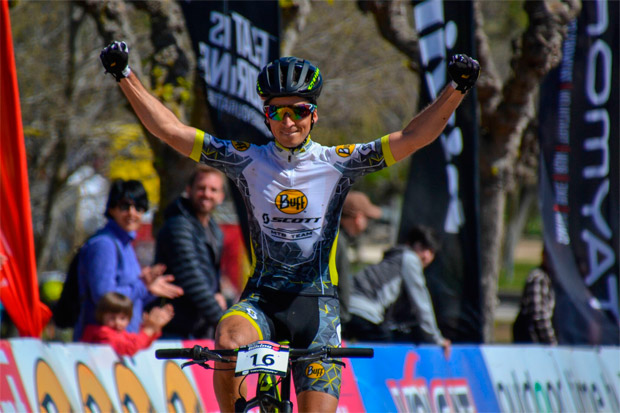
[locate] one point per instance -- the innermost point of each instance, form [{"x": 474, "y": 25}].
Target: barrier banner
[
  {"x": 232, "y": 41},
  {"x": 421, "y": 379},
  {"x": 554, "y": 379},
  {"x": 78, "y": 377},
  {"x": 579, "y": 177},
  {"x": 442, "y": 188},
  {"x": 19, "y": 286}
]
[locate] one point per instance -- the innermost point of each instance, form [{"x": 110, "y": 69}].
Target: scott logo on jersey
[{"x": 291, "y": 201}]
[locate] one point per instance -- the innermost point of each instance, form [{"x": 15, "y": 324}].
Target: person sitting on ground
[
  {"x": 390, "y": 301},
  {"x": 113, "y": 313}
]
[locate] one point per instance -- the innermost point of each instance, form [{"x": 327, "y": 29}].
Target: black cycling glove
[
  {"x": 115, "y": 60},
  {"x": 464, "y": 71}
]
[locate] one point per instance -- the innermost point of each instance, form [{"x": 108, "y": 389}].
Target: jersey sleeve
[
  {"x": 230, "y": 157},
  {"x": 360, "y": 159}
]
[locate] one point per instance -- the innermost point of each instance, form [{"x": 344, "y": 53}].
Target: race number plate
[{"x": 262, "y": 357}]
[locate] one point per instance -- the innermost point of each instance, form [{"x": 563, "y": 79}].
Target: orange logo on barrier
[
  {"x": 291, "y": 201},
  {"x": 50, "y": 394},
  {"x": 131, "y": 392},
  {"x": 93, "y": 396},
  {"x": 180, "y": 395}
]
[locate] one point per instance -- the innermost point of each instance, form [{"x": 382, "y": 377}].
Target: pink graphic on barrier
[
  {"x": 350, "y": 398},
  {"x": 443, "y": 395},
  {"x": 12, "y": 393}
]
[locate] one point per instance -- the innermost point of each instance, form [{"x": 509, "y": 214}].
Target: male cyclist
[{"x": 294, "y": 189}]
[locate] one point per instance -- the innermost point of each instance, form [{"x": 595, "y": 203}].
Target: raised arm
[
  {"x": 426, "y": 126},
  {"x": 157, "y": 118}
]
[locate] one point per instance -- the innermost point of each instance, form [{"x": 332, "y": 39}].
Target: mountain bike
[{"x": 271, "y": 361}]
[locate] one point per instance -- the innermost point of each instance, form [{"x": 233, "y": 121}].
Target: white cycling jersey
[{"x": 294, "y": 198}]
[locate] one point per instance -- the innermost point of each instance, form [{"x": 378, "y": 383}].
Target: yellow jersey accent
[
  {"x": 197, "y": 148},
  {"x": 387, "y": 152},
  {"x": 247, "y": 317},
  {"x": 332, "y": 260}
]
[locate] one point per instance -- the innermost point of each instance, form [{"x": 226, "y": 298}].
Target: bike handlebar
[
  {"x": 194, "y": 353},
  {"x": 355, "y": 352},
  {"x": 201, "y": 353}
]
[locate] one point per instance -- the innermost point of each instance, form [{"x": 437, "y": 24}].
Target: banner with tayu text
[
  {"x": 442, "y": 190},
  {"x": 579, "y": 179},
  {"x": 233, "y": 40}
]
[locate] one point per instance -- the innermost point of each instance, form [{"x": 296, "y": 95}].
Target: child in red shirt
[{"x": 113, "y": 313}]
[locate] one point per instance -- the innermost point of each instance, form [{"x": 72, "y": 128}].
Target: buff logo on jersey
[
  {"x": 240, "y": 146},
  {"x": 291, "y": 201},
  {"x": 344, "y": 150},
  {"x": 314, "y": 371}
]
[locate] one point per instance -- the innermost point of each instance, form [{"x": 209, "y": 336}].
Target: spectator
[
  {"x": 534, "y": 320},
  {"x": 389, "y": 300},
  {"x": 190, "y": 246},
  {"x": 113, "y": 313},
  {"x": 107, "y": 261},
  {"x": 356, "y": 211}
]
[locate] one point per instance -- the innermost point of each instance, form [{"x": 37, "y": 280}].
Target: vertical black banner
[
  {"x": 579, "y": 178},
  {"x": 442, "y": 191},
  {"x": 233, "y": 40}
]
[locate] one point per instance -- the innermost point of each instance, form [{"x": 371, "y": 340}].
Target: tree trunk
[
  {"x": 169, "y": 67},
  {"x": 521, "y": 204}
]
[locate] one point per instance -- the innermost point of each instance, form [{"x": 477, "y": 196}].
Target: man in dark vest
[{"x": 190, "y": 245}]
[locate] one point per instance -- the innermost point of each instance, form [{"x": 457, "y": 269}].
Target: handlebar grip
[
  {"x": 174, "y": 353},
  {"x": 357, "y": 352}
]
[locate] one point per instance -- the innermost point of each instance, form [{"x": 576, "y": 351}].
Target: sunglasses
[
  {"x": 125, "y": 206},
  {"x": 296, "y": 112}
]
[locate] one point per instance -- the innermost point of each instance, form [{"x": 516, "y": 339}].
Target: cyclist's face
[
  {"x": 288, "y": 132},
  {"x": 116, "y": 321},
  {"x": 206, "y": 192}
]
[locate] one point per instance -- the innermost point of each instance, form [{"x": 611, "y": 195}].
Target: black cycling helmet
[{"x": 290, "y": 76}]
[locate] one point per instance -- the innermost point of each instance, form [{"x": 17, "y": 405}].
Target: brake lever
[{"x": 198, "y": 363}]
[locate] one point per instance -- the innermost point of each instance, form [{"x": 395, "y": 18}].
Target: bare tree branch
[
  {"x": 294, "y": 20},
  {"x": 394, "y": 26},
  {"x": 489, "y": 84}
]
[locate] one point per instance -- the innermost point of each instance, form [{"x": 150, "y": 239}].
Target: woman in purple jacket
[{"x": 108, "y": 261}]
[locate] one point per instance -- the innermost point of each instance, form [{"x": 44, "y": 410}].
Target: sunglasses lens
[
  {"x": 296, "y": 112},
  {"x": 125, "y": 206}
]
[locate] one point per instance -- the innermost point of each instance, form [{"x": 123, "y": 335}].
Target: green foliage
[
  {"x": 516, "y": 283},
  {"x": 534, "y": 225},
  {"x": 134, "y": 160}
]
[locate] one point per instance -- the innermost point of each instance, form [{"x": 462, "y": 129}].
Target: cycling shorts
[{"x": 303, "y": 321}]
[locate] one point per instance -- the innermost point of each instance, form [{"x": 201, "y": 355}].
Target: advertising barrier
[{"x": 57, "y": 377}]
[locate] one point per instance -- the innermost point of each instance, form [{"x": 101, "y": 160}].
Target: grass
[{"x": 517, "y": 281}]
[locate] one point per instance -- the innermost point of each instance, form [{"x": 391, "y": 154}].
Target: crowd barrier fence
[{"x": 63, "y": 377}]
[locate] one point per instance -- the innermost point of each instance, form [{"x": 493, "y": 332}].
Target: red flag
[{"x": 19, "y": 288}]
